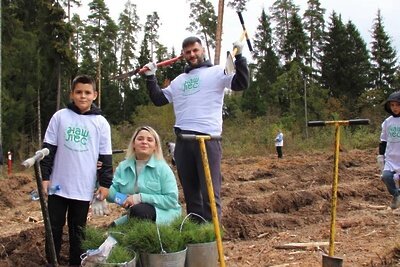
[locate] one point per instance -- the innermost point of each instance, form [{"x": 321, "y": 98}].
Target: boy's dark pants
[
  {"x": 191, "y": 175},
  {"x": 76, "y": 212},
  {"x": 279, "y": 151}
]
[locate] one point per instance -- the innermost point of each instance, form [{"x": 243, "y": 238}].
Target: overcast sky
[{"x": 174, "y": 16}]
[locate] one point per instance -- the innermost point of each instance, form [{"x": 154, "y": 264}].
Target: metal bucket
[
  {"x": 330, "y": 261},
  {"x": 92, "y": 262},
  {"x": 202, "y": 255},
  {"x": 175, "y": 259}
]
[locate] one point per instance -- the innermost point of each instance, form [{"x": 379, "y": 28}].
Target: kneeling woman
[{"x": 144, "y": 183}]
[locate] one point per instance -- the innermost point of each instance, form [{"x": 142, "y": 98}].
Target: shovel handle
[
  {"x": 141, "y": 70},
  {"x": 162, "y": 64},
  {"x": 245, "y": 31},
  {"x": 118, "y": 151},
  {"x": 39, "y": 155},
  {"x": 359, "y": 122},
  {"x": 347, "y": 122},
  {"x": 192, "y": 137}
]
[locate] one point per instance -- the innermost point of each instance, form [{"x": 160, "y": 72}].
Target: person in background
[
  {"x": 389, "y": 148},
  {"x": 144, "y": 183},
  {"x": 171, "y": 151},
  {"x": 279, "y": 144},
  {"x": 77, "y": 137},
  {"x": 197, "y": 96}
]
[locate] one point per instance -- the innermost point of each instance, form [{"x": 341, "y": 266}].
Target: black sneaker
[{"x": 395, "y": 202}]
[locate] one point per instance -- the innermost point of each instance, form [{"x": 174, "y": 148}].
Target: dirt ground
[{"x": 269, "y": 205}]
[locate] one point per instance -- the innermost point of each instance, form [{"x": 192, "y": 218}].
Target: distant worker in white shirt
[{"x": 279, "y": 144}]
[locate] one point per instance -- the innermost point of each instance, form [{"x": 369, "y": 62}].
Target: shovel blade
[
  {"x": 330, "y": 261},
  {"x": 229, "y": 65}
]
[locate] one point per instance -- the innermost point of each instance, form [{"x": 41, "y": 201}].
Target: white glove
[
  {"x": 99, "y": 207},
  {"x": 380, "y": 160},
  {"x": 152, "y": 67},
  {"x": 239, "y": 47},
  {"x": 136, "y": 199}
]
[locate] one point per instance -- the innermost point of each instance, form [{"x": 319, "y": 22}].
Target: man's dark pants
[{"x": 191, "y": 174}]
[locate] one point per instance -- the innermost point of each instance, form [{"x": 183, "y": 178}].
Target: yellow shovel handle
[
  {"x": 334, "y": 192},
  {"x": 241, "y": 39},
  {"x": 211, "y": 198}
]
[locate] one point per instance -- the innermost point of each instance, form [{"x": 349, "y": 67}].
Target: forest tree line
[{"x": 302, "y": 65}]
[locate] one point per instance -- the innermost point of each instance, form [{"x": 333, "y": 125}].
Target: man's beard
[{"x": 200, "y": 59}]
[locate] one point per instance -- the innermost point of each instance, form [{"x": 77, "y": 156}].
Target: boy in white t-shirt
[
  {"x": 389, "y": 147},
  {"x": 77, "y": 137}
]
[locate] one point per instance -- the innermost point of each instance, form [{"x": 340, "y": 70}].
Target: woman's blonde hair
[{"x": 157, "y": 153}]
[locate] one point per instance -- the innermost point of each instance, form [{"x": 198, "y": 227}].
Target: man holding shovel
[{"x": 197, "y": 97}]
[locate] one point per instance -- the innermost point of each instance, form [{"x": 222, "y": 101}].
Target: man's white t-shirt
[
  {"x": 198, "y": 98},
  {"x": 80, "y": 139}
]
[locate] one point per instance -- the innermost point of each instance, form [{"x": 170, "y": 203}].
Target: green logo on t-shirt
[
  {"x": 76, "y": 138},
  {"x": 394, "y": 134},
  {"x": 191, "y": 86}
]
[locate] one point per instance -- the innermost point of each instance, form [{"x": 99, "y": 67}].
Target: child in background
[
  {"x": 389, "y": 147},
  {"x": 77, "y": 137}
]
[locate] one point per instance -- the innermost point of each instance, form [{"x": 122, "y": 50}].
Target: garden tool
[
  {"x": 141, "y": 70},
  {"x": 245, "y": 31},
  {"x": 201, "y": 139},
  {"x": 329, "y": 260},
  {"x": 118, "y": 151},
  {"x": 39, "y": 155},
  {"x": 229, "y": 65}
]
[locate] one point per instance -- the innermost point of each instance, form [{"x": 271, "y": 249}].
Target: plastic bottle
[{"x": 53, "y": 189}]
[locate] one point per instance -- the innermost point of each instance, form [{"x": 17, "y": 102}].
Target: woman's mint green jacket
[{"x": 157, "y": 186}]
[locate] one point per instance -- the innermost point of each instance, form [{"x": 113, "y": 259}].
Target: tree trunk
[
  {"x": 59, "y": 84},
  {"x": 1, "y": 137},
  {"x": 99, "y": 81},
  {"x": 218, "y": 35},
  {"x": 39, "y": 119}
]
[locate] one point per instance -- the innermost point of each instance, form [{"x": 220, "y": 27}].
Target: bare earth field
[{"x": 267, "y": 204}]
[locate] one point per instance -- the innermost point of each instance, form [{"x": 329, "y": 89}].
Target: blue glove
[{"x": 120, "y": 198}]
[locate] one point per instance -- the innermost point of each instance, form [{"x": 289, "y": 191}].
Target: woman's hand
[{"x": 132, "y": 200}]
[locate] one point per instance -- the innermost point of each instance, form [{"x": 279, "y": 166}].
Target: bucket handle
[
  {"x": 187, "y": 216},
  {"x": 159, "y": 239},
  {"x": 115, "y": 232}
]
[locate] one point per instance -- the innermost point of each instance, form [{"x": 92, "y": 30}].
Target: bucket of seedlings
[
  {"x": 158, "y": 245},
  {"x": 200, "y": 242},
  {"x": 103, "y": 250}
]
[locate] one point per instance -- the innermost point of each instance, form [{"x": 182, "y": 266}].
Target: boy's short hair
[
  {"x": 85, "y": 79},
  {"x": 190, "y": 40}
]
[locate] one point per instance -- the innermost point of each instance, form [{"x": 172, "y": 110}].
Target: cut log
[{"x": 309, "y": 245}]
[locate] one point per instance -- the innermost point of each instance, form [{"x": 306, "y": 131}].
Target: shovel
[
  {"x": 229, "y": 65},
  {"x": 34, "y": 161},
  {"x": 330, "y": 260},
  {"x": 210, "y": 190},
  {"x": 141, "y": 70}
]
